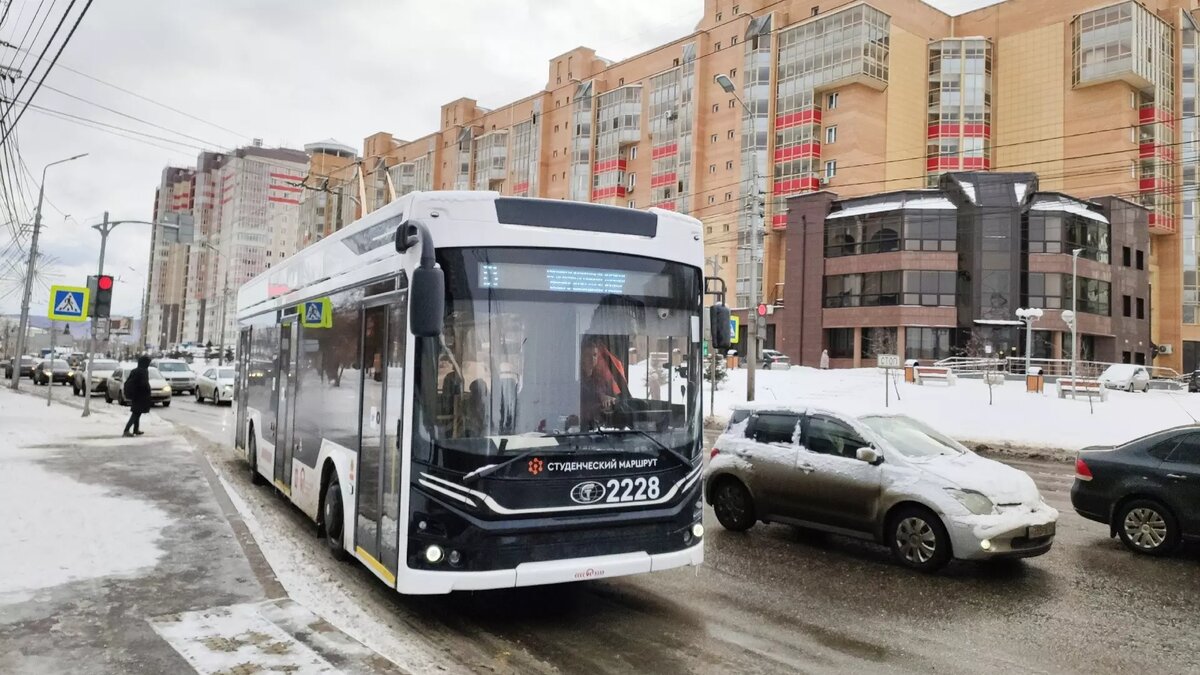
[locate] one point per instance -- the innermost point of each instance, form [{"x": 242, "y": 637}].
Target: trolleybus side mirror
[
  {"x": 427, "y": 298},
  {"x": 718, "y": 318}
]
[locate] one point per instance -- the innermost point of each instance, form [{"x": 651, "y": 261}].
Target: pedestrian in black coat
[{"x": 137, "y": 392}]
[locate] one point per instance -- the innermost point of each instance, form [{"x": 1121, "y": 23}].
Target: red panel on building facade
[
  {"x": 663, "y": 179},
  {"x": 664, "y": 151},
  {"x": 806, "y": 116},
  {"x": 798, "y": 151}
]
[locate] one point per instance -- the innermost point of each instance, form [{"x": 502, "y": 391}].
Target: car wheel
[
  {"x": 107, "y": 398},
  {"x": 252, "y": 457},
  {"x": 1147, "y": 527},
  {"x": 918, "y": 539},
  {"x": 199, "y": 396},
  {"x": 166, "y": 404},
  {"x": 333, "y": 520},
  {"x": 733, "y": 505}
]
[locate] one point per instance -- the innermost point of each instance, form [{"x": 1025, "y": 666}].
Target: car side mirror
[
  {"x": 427, "y": 299},
  {"x": 869, "y": 455}
]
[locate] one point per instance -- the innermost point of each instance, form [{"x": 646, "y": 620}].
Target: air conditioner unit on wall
[{"x": 1166, "y": 349}]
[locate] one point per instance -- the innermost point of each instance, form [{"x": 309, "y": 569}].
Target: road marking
[{"x": 237, "y": 639}]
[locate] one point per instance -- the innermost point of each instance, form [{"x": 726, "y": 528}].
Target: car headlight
[{"x": 974, "y": 501}]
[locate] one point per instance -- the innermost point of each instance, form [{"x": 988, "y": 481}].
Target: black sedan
[
  {"x": 1147, "y": 491},
  {"x": 26, "y": 367},
  {"x": 52, "y": 370}
]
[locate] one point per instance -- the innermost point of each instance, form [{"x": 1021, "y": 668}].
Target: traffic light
[{"x": 103, "y": 303}]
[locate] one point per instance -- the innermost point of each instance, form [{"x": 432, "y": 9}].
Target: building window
[
  {"x": 925, "y": 230},
  {"x": 733, "y": 73},
  {"x": 1127, "y": 256},
  {"x": 708, "y": 230},
  {"x": 621, "y": 82},
  {"x": 831, "y": 100},
  {"x": 712, "y": 168},
  {"x": 716, "y": 46},
  {"x": 732, "y": 103},
  {"x": 1061, "y": 232},
  {"x": 712, "y": 139},
  {"x": 926, "y": 344},
  {"x": 815, "y": 10},
  {"x": 1141, "y": 261},
  {"x": 733, "y": 40},
  {"x": 718, "y": 16},
  {"x": 736, "y": 10},
  {"x": 840, "y": 343},
  {"x": 830, "y": 169},
  {"x": 876, "y": 341},
  {"x": 711, "y": 199},
  {"x": 728, "y": 196},
  {"x": 716, "y": 107},
  {"x": 929, "y": 288},
  {"x": 632, "y": 204},
  {"x": 1141, "y": 308},
  {"x": 1127, "y": 305},
  {"x": 869, "y": 289},
  {"x": 633, "y": 152},
  {"x": 725, "y": 228},
  {"x": 729, "y": 134},
  {"x": 830, "y": 135},
  {"x": 729, "y": 165}
]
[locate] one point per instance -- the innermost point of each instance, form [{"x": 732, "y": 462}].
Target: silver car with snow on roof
[{"x": 883, "y": 477}]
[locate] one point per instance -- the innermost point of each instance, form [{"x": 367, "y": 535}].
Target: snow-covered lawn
[
  {"x": 1015, "y": 418},
  {"x": 57, "y": 529}
]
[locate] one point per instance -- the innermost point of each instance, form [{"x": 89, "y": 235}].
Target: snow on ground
[
  {"x": 56, "y": 529},
  {"x": 1015, "y": 418}
]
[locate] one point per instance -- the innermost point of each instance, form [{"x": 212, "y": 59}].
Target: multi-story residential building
[
  {"x": 247, "y": 208},
  {"x": 166, "y": 299},
  {"x": 329, "y": 200},
  {"x": 940, "y": 272},
  {"x": 1096, "y": 97}
]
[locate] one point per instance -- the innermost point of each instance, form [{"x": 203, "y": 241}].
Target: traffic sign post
[
  {"x": 68, "y": 303},
  {"x": 888, "y": 363},
  {"x": 316, "y": 313}
]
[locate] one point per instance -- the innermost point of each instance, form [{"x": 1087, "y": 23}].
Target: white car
[
  {"x": 216, "y": 385},
  {"x": 1126, "y": 377},
  {"x": 878, "y": 476},
  {"x": 178, "y": 373}
]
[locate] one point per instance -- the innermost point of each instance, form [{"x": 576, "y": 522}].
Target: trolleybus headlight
[
  {"x": 455, "y": 558},
  {"x": 434, "y": 554},
  {"x": 697, "y": 530}
]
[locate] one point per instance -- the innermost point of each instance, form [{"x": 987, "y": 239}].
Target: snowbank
[{"x": 1016, "y": 418}]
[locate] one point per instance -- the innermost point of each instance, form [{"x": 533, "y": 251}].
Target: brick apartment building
[
  {"x": 940, "y": 272},
  {"x": 858, "y": 98}
]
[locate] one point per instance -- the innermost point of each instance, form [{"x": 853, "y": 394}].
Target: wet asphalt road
[{"x": 774, "y": 600}]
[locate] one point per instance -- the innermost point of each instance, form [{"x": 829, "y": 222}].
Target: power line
[
  {"x": 29, "y": 78},
  {"x": 57, "y": 54},
  {"x": 136, "y": 119}
]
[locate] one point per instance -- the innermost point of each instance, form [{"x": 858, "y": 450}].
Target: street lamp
[
  {"x": 1028, "y": 316},
  {"x": 224, "y": 300},
  {"x": 752, "y": 351},
  {"x": 33, "y": 244},
  {"x": 104, "y": 228}
]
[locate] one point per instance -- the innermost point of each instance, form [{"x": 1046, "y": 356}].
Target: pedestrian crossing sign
[
  {"x": 68, "y": 303},
  {"x": 735, "y": 326},
  {"x": 316, "y": 313}
]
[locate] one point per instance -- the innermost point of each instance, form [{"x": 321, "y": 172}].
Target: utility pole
[
  {"x": 33, "y": 247},
  {"x": 103, "y": 228},
  {"x": 712, "y": 390}
]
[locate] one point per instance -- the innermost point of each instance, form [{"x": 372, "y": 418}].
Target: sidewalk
[{"x": 118, "y": 557}]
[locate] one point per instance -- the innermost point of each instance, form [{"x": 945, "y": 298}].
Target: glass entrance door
[{"x": 377, "y": 529}]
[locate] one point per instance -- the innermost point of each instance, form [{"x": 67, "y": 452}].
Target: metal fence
[{"x": 962, "y": 365}]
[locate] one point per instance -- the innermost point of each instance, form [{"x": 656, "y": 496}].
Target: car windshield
[
  {"x": 225, "y": 374},
  {"x": 911, "y": 438},
  {"x": 172, "y": 367},
  {"x": 104, "y": 365},
  {"x": 58, "y": 363},
  {"x": 154, "y": 374},
  {"x": 541, "y": 342}
]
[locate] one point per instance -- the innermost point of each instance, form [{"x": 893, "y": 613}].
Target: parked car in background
[
  {"x": 775, "y": 359},
  {"x": 1126, "y": 377},
  {"x": 25, "y": 366},
  {"x": 178, "y": 373},
  {"x": 101, "y": 370},
  {"x": 216, "y": 385},
  {"x": 1146, "y": 491},
  {"x": 882, "y": 477},
  {"x": 57, "y": 371},
  {"x": 114, "y": 387},
  {"x": 1193, "y": 382}
]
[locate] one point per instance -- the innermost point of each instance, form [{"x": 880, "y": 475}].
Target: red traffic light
[
  {"x": 104, "y": 282},
  {"x": 762, "y": 309}
]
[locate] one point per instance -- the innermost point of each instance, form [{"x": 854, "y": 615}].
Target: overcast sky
[{"x": 287, "y": 71}]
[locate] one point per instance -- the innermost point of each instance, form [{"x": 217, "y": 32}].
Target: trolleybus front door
[{"x": 377, "y": 529}]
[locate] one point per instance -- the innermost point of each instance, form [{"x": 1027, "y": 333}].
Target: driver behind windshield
[{"x": 601, "y": 381}]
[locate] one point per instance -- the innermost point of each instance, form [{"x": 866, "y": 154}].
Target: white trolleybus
[{"x": 467, "y": 391}]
